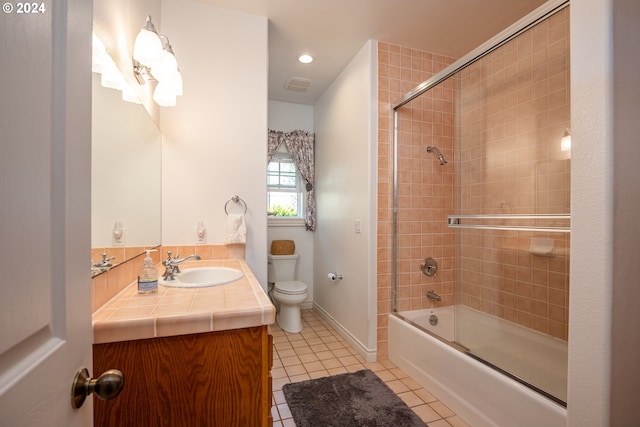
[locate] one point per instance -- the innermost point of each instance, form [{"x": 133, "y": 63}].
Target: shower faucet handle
[{"x": 429, "y": 267}]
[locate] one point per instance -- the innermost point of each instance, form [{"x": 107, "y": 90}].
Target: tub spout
[{"x": 433, "y": 296}]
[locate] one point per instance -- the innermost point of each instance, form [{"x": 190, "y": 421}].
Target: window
[{"x": 284, "y": 187}]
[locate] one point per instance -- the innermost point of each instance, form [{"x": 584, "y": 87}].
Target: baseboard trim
[{"x": 370, "y": 355}]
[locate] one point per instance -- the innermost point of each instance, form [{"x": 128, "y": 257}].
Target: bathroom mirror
[{"x": 125, "y": 177}]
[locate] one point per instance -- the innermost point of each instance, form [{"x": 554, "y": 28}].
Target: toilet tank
[{"x": 282, "y": 268}]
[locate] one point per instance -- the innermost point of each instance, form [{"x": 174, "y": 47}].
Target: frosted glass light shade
[
  {"x": 147, "y": 48},
  {"x": 167, "y": 67},
  {"x": 164, "y": 95},
  {"x": 178, "y": 88},
  {"x": 129, "y": 95},
  {"x": 168, "y": 75},
  {"x": 565, "y": 142},
  {"x": 153, "y": 59},
  {"x": 111, "y": 77},
  {"x": 99, "y": 55}
]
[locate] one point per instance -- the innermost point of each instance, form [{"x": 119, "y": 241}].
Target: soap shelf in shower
[{"x": 554, "y": 223}]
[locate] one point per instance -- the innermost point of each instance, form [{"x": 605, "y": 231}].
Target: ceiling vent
[{"x": 297, "y": 84}]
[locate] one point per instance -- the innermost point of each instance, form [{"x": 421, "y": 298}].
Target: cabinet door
[{"x": 206, "y": 380}]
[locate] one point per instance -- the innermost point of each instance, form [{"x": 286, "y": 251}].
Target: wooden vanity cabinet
[{"x": 214, "y": 379}]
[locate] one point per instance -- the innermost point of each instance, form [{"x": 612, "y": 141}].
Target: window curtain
[{"x": 300, "y": 144}]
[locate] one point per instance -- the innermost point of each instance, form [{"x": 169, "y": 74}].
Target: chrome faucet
[
  {"x": 171, "y": 267},
  {"x": 105, "y": 262},
  {"x": 433, "y": 296}
]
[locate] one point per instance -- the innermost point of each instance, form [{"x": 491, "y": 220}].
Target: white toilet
[{"x": 288, "y": 292}]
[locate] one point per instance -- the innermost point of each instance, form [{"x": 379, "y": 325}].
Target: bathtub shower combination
[{"x": 481, "y": 227}]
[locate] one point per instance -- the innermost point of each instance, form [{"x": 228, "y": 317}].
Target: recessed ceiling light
[{"x": 305, "y": 59}]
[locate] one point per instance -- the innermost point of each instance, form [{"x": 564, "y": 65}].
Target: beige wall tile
[{"x": 514, "y": 106}]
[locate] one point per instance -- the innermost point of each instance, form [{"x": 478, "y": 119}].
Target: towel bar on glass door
[
  {"x": 455, "y": 221},
  {"x": 235, "y": 199}
]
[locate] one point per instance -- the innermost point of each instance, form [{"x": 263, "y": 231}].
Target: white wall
[
  {"x": 590, "y": 313},
  {"x": 286, "y": 117},
  {"x": 604, "y": 374},
  {"x": 346, "y": 161},
  {"x": 215, "y": 139}
]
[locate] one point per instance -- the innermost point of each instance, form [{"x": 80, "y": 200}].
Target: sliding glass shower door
[{"x": 483, "y": 186}]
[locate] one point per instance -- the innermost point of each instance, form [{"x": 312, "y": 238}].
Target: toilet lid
[{"x": 291, "y": 287}]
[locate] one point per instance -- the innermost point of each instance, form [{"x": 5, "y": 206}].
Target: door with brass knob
[
  {"x": 106, "y": 386},
  {"x": 45, "y": 309}
]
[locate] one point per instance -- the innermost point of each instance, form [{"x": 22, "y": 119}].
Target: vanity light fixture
[
  {"x": 306, "y": 59},
  {"x": 153, "y": 59},
  {"x": 110, "y": 75},
  {"x": 147, "y": 50},
  {"x": 565, "y": 142}
]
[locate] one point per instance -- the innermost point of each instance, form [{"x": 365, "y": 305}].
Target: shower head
[{"x": 443, "y": 161}]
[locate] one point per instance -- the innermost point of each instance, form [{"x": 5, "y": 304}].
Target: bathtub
[
  {"x": 480, "y": 395},
  {"x": 444, "y": 325}
]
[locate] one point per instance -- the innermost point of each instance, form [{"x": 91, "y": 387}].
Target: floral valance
[{"x": 300, "y": 144}]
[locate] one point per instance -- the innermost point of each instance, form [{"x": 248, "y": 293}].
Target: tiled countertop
[{"x": 180, "y": 311}]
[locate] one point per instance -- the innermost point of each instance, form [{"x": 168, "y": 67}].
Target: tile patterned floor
[{"x": 319, "y": 351}]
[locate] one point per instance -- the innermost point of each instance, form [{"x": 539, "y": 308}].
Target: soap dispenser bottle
[{"x": 147, "y": 275}]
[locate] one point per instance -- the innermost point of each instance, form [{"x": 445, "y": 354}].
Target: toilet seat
[{"x": 292, "y": 287}]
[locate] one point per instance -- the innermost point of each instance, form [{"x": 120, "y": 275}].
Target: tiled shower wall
[
  {"x": 511, "y": 109},
  {"x": 425, "y": 196},
  {"x": 514, "y": 108},
  {"x": 399, "y": 70}
]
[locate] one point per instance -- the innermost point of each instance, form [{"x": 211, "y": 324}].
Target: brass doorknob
[{"x": 106, "y": 386}]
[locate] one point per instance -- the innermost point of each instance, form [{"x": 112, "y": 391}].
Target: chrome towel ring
[{"x": 235, "y": 199}]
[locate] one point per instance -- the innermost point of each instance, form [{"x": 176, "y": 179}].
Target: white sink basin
[{"x": 202, "y": 277}]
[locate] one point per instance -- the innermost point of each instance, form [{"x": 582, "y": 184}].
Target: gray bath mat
[{"x": 357, "y": 399}]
